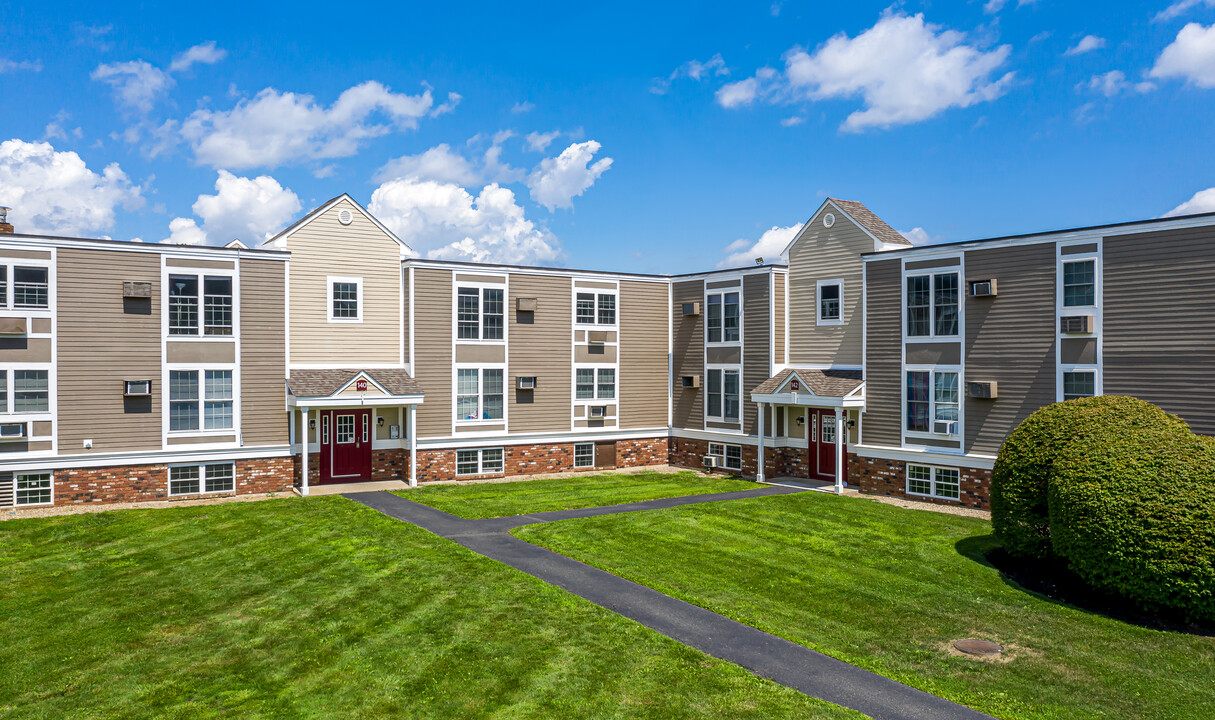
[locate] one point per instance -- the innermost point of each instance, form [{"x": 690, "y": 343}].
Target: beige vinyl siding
[
  {"x": 263, "y": 353},
  {"x": 689, "y": 331},
  {"x": 778, "y": 303},
  {"x": 432, "y": 368},
  {"x": 100, "y": 346},
  {"x": 826, "y": 254},
  {"x": 1010, "y": 338},
  {"x": 325, "y": 247},
  {"x": 881, "y": 424},
  {"x": 643, "y": 355},
  {"x": 757, "y": 355},
  {"x": 1157, "y": 321},
  {"x": 21, "y": 349},
  {"x": 542, "y": 349}
]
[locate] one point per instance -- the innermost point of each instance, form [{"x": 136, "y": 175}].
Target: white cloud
[
  {"x": 994, "y": 6},
  {"x": 453, "y": 99},
  {"x": 438, "y": 163},
  {"x": 205, "y": 53},
  {"x": 904, "y": 69},
  {"x": 1178, "y": 9},
  {"x": 1202, "y": 202},
  {"x": 522, "y": 107},
  {"x": 55, "y": 192},
  {"x": 770, "y": 245},
  {"x": 539, "y": 141},
  {"x": 137, "y": 84},
  {"x": 276, "y": 128},
  {"x": 7, "y": 65},
  {"x": 55, "y": 129},
  {"x": 1191, "y": 57},
  {"x": 694, "y": 69},
  {"x": 793, "y": 121},
  {"x": 1114, "y": 83},
  {"x": 1088, "y": 43},
  {"x": 443, "y": 220},
  {"x": 918, "y": 236},
  {"x": 251, "y": 209},
  {"x": 555, "y": 182}
]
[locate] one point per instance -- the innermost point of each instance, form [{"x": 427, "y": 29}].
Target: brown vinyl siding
[
  {"x": 1158, "y": 322},
  {"x": 826, "y": 254},
  {"x": 688, "y": 404},
  {"x": 643, "y": 355},
  {"x": 100, "y": 346},
  {"x": 542, "y": 349},
  {"x": 432, "y": 367},
  {"x": 1010, "y": 338},
  {"x": 263, "y": 353},
  {"x": 757, "y": 355},
  {"x": 883, "y": 353},
  {"x": 778, "y": 332},
  {"x": 20, "y": 349},
  {"x": 405, "y": 321}
]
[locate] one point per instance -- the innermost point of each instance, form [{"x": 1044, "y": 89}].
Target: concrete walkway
[{"x": 764, "y": 654}]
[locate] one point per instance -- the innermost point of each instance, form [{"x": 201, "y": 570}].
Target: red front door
[
  {"x": 822, "y": 444},
  {"x": 345, "y": 446}
]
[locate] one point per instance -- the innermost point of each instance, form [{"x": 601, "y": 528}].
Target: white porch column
[
  {"x": 759, "y": 476},
  {"x": 840, "y": 429},
  {"x": 413, "y": 446},
  {"x": 304, "y": 463}
]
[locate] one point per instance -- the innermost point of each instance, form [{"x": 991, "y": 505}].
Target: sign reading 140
[{"x": 360, "y": 385}]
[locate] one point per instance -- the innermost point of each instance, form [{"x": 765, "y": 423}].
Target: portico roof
[
  {"x": 816, "y": 388},
  {"x": 384, "y": 386}
]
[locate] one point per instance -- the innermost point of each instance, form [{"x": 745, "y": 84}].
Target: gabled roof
[
  {"x": 872, "y": 225},
  {"x": 824, "y": 383},
  {"x": 322, "y": 209},
  {"x": 324, "y": 383}
]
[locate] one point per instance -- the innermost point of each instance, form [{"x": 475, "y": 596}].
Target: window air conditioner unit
[
  {"x": 132, "y": 289},
  {"x": 598, "y": 411},
  {"x": 525, "y": 304},
  {"x": 690, "y": 381},
  {"x": 984, "y": 389},
  {"x": 1076, "y": 324},
  {"x": 137, "y": 388},
  {"x": 12, "y": 431},
  {"x": 709, "y": 461},
  {"x": 945, "y": 427},
  {"x": 527, "y": 383},
  {"x": 692, "y": 308},
  {"x": 982, "y": 288}
]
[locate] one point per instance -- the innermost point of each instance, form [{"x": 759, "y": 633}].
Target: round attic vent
[
  {"x": 345, "y": 217},
  {"x": 828, "y": 220}
]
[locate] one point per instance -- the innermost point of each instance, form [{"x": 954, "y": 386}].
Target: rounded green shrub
[
  {"x": 1134, "y": 513},
  {"x": 1019, "y": 504}
]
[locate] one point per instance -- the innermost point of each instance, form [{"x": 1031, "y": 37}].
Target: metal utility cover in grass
[{"x": 972, "y": 646}]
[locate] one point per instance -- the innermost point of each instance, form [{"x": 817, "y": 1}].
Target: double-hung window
[
  {"x": 26, "y": 488},
  {"x": 728, "y": 456},
  {"x": 31, "y": 287},
  {"x": 830, "y": 302},
  {"x": 1079, "y": 384},
  {"x": 345, "y": 299},
  {"x": 189, "y": 293},
  {"x": 480, "y": 313},
  {"x": 722, "y": 397},
  {"x": 485, "y": 461},
  {"x": 202, "y": 479},
  {"x": 932, "y": 305},
  {"x": 722, "y": 317},
  {"x": 1080, "y": 283},
  {"x": 479, "y": 394},
  {"x": 200, "y": 400},
  {"x": 935, "y": 482},
  {"x": 932, "y": 396},
  {"x": 595, "y": 384},
  {"x": 592, "y": 308},
  {"x": 584, "y": 455},
  {"x": 31, "y": 391}
]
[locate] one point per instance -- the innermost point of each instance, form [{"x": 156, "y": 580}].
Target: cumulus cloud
[
  {"x": 1178, "y": 9},
  {"x": 1088, "y": 43},
  {"x": 1191, "y": 57},
  {"x": 251, "y": 209},
  {"x": 555, "y": 182},
  {"x": 438, "y": 163},
  {"x": 904, "y": 69},
  {"x": 1114, "y": 83},
  {"x": 443, "y": 220},
  {"x": 1202, "y": 202},
  {"x": 693, "y": 69},
  {"x": 769, "y": 246},
  {"x": 55, "y": 192},
  {"x": 539, "y": 141},
  {"x": 918, "y": 236},
  {"x": 205, "y": 53},
  {"x": 275, "y": 128},
  {"x": 137, "y": 84}
]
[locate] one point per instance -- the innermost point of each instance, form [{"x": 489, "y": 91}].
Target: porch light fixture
[
  {"x": 801, "y": 420},
  {"x": 379, "y": 421},
  {"x": 312, "y": 423}
]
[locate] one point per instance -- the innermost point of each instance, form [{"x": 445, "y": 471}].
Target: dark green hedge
[
  {"x": 1019, "y": 480},
  {"x": 1134, "y": 513}
]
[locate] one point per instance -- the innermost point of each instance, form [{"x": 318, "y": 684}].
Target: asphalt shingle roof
[
  {"x": 323, "y": 383},
  {"x": 874, "y": 224},
  {"x": 825, "y": 383}
]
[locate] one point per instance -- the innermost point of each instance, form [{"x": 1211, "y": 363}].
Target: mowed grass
[
  {"x": 889, "y": 589},
  {"x": 487, "y": 500},
  {"x": 324, "y": 609}
]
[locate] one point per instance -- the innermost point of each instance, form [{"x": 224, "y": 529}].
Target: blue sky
[{"x": 644, "y": 137}]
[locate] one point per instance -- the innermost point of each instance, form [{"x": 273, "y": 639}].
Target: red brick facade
[
  {"x": 436, "y": 465},
  {"x": 141, "y": 483},
  {"x": 877, "y": 476}
]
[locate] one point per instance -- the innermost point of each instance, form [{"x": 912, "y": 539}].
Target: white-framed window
[
  {"x": 723, "y": 311},
  {"x": 479, "y": 395},
  {"x": 584, "y": 455},
  {"x": 30, "y": 286},
  {"x": 932, "y": 305},
  {"x": 202, "y": 479},
  {"x": 594, "y": 383},
  {"x": 830, "y": 302},
  {"x": 723, "y": 400},
  {"x": 200, "y": 400},
  {"x": 344, "y": 299},
  {"x": 200, "y": 304},
  {"x": 27, "y": 488},
  {"x": 480, "y": 312},
  {"x": 1080, "y": 283},
  {"x": 932, "y": 395},
  {"x": 930, "y": 481},
  {"x": 728, "y": 456},
  {"x": 25, "y": 390},
  {"x": 595, "y": 308},
  {"x": 481, "y": 461},
  {"x": 1079, "y": 383}
]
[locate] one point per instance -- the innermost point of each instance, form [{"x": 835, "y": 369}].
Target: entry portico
[
  {"x": 353, "y": 420},
  {"x": 814, "y": 412}
]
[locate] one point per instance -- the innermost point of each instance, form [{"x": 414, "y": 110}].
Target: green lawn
[
  {"x": 888, "y": 588},
  {"x": 486, "y": 500},
  {"x": 323, "y": 608}
]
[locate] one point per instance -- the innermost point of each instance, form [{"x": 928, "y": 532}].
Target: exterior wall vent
[
  {"x": 131, "y": 289},
  {"x": 345, "y": 217},
  {"x": 982, "y": 288},
  {"x": 828, "y": 220},
  {"x": 1076, "y": 324},
  {"x": 983, "y": 389}
]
